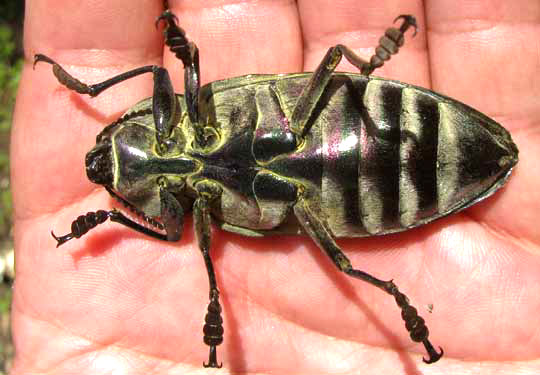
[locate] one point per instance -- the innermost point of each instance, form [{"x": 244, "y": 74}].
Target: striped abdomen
[{"x": 396, "y": 156}]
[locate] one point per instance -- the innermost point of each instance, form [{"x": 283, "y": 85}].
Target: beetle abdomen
[
  {"x": 396, "y": 156},
  {"x": 380, "y": 156}
]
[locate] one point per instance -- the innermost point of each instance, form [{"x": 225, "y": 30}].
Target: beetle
[{"x": 323, "y": 154}]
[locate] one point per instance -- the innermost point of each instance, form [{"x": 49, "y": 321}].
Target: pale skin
[{"x": 116, "y": 301}]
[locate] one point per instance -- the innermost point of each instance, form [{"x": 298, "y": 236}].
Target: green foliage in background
[
  {"x": 10, "y": 72},
  {"x": 11, "y": 20},
  {"x": 5, "y": 300},
  {"x": 11, "y": 16}
]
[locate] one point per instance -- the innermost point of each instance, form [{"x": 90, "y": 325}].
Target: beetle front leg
[
  {"x": 321, "y": 235},
  {"x": 213, "y": 327},
  {"x": 388, "y": 45},
  {"x": 74, "y": 84},
  {"x": 164, "y": 103}
]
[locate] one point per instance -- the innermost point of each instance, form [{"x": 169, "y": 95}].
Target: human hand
[{"x": 116, "y": 301}]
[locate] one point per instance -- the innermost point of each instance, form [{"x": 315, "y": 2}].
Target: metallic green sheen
[{"x": 380, "y": 156}]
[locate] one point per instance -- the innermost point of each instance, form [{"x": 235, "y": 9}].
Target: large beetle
[{"x": 323, "y": 154}]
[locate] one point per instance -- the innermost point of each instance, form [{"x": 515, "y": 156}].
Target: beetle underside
[{"x": 323, "y": 153}]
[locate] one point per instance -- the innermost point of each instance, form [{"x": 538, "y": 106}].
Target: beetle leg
[
  {"x": 388, "y": 45},
  {"x": 213, "y": 327},
  {"x": 322, "y": 237},
  {"x": 172, "y": 215},
  {"x": 164, "y": 104},
  {"x": 84, "y": 223},
  {"x": 74, "y": 84},
  {"x": 187, "y": 51}
]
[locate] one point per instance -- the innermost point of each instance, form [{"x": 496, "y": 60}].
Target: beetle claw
[
  {"x": 433, "y": 355},
  {"x": 62, "y": 239},
  {"x": 168, "y": 16},
  {"x": 39, "y": 57},
  {"x": 212, "y": 359},
  {"x": 212, "y": 365},
  {"x": 408, "y": 21}
]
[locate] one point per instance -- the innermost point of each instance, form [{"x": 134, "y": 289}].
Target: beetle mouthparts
[{"x": 99, "y": 164}]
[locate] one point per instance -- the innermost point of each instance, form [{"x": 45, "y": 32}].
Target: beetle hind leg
[
  {"x": 317, "y": 230},
  {"x": 389, "y": 45}
]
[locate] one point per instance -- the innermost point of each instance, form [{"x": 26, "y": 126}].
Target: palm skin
[{"x": 115, "y": 300}]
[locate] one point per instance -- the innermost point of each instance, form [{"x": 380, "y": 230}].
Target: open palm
[{"x": 116, "y": 301}]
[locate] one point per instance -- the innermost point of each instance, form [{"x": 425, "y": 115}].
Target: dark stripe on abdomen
[
  {"x": 378, "y": 171},
  {"x": 340, "y": 138},
  {"x": 418, "y": 157}
]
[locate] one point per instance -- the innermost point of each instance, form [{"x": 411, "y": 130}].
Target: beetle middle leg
[
  {"x": 188, "y": 53},
  {"x": 389, "y": 45},
  {"x": 317, "y": 230}
]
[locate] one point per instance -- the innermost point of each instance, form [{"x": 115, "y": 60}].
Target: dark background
[{"x": 11, "y": 60}]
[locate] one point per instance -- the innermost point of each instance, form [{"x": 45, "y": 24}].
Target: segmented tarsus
[
  {"x": 415, "y": 324},
  {"x": 390, "y": 42},
  {"x": 213, "y": 328},
  {"x": 82, "y": 224},
  {"x": 175, "y": 38}
]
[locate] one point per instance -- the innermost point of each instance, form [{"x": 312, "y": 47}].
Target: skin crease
[{"x": 117, "y": 302}]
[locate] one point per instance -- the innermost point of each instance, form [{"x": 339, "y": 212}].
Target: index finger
[{"x": 92, "y": 41}]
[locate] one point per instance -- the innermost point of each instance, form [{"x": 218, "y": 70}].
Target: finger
[
  {"x": 491, "y": 46},
  {"x": 359, "y": 25},
  {"x": 237, "y": 38},
  {"x": 486, "y": 55},
  {"x": 55, "y": 127}
]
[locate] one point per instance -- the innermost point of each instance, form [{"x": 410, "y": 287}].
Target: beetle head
[{"x": 129, "y": 160}]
